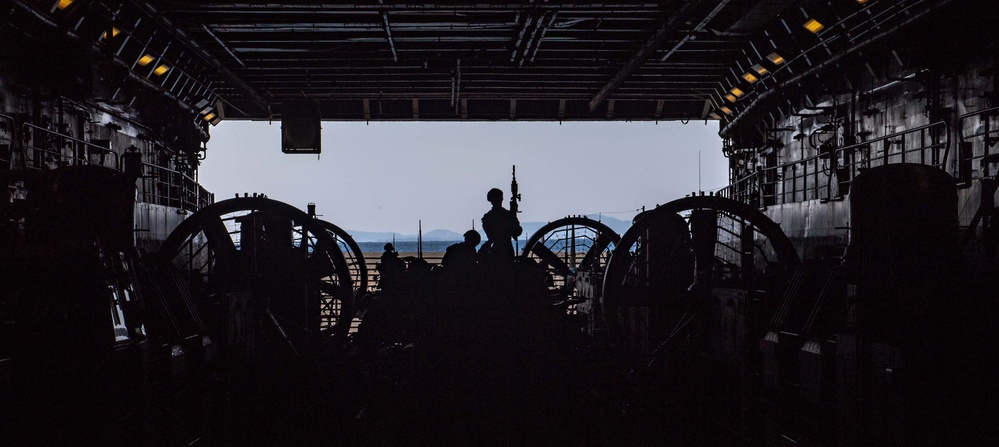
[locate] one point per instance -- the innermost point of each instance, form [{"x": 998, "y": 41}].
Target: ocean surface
[
  {"x": 406, "y": 246},
  {"x": 410, "y": 246}
]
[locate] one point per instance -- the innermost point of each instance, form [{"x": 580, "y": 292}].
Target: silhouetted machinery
[
  {"x": 702, "y": 319},
  {"x": 99, "y": 343},
  {"x": 273, "y": 279},
  {"x": 574, "y": 251},
  {"x": 735, "y": 340},
  {"x": 89, "y": 338}
]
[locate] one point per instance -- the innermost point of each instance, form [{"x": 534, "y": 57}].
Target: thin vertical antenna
[
  {"x": 698, "y": 170},
  {"x": 419, "y": 241}
]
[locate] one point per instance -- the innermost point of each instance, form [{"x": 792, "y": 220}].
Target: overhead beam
[
  {"x": 388, "y": 36},
  {"x": 672, "y": 25},
  {"x": 181, "y": 36}
]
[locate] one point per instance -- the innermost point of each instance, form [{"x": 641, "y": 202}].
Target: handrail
[
  {"x": 158, "y": 184},
  {"x": 987, "y": 135},
  {"x": 73, "y": 159},
  {"x": 812, "y": 177},
  {"x": 164, "y": 186},
  {"x": 984, "y": 111}
]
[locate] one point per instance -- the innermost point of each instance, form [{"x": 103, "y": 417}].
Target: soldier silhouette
[
  {"x": 501, "y": 226},
  {"x": 390, "y": 267},
  {"x": 460, "y": 257}
]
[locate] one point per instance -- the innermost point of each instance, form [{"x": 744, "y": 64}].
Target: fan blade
[
  {"x": 704, "y": 237},
  {"x": 603, "y": 240},
  {"x": 218, "y": 237},
  {"x": 549, "y": 258}
]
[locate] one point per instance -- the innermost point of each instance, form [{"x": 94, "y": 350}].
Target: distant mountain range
[{"x": 618, "y": 225}]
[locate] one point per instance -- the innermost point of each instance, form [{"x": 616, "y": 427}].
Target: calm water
[
  {"x": 406, "y": 246},
  {"x": 410, "y": 246}
]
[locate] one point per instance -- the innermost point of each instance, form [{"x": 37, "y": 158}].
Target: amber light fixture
[
  {"x": 814, "y": 26},
  {"x": 114, "y": 33}
]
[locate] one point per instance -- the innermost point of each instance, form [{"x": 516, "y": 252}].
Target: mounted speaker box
[{"x": 301, "y": 128}]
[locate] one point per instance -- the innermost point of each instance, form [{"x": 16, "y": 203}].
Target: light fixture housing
[
  {"x": 775, "y": 58},
  {"x": 730, "y": 97},
  {"x": 814, "y": 26},
  {"x": 737, "y": 92},
  {"x": 760, "y": 69},
  {"x": 725, "y": 110},
  {"x": 750, "y": 77},
  {"x": 62, "y": 4},
  {"x": 146, "y": 59},
  {"x": 114, "y": 33}
]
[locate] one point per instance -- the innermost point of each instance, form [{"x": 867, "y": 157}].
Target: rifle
[
  {"x": 514, "y": 194},
  {"x": 514, "y": 198}
]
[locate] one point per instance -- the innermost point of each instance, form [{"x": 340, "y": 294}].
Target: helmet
[
  {"x": 473, "y": 237},
  {"x": 389, "y": 247},
  {"x": 494, "y": 195}
]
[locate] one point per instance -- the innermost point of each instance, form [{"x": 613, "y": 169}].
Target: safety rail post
[
  {"x": 922, "y": 145},
  {"x": 815, "y": 178},
  {"x": 11, "y": 142}
]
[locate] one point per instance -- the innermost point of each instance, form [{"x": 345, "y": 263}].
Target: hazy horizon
[{"x": 388, "y": 176}]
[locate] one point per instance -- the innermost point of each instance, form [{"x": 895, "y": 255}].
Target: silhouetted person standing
[
  {"x": 501, "y": 226},
  {"x": 390, "y": 266}
]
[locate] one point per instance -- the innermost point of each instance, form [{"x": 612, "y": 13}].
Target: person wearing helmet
[
  {"x": 390, "y": 266},
  {"x": 460, "y": 258},
  {"x": 501, "y": 226}
]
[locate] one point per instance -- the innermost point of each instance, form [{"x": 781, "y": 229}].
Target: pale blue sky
[{"x": 386, "y": 176}]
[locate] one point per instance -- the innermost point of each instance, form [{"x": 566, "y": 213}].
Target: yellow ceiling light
[
  {"x": 63, "y": 4},
  {"x": 737, "y": 92},
  {"x": 714, "y": 115},
  {"x": 730, "y": 97},
  {"x": 209, "y": 116},
  {"x": 161, "y": 70},
  {"x": 750, "y": 78},
  {"x": 146, "y": 59},
  {"x": 862, "y": 1},
  {"x": 726, "y": 110},
  {"x": 775, "y": 58},
  {"x": 814, "y": 26},
  {"x": 760, "y": 69},
  {"x": 114, "y": 33}
]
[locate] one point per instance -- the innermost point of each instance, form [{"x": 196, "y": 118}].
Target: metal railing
[
  {"x": 50, "y": 150},
  {"x": 163, "y": 186},
  {"x": 828, "y": 175},
  {"x": 32, "y": 147},
  {"x": 7, "y": 127},
  {"x": 966, "y": 156}
]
